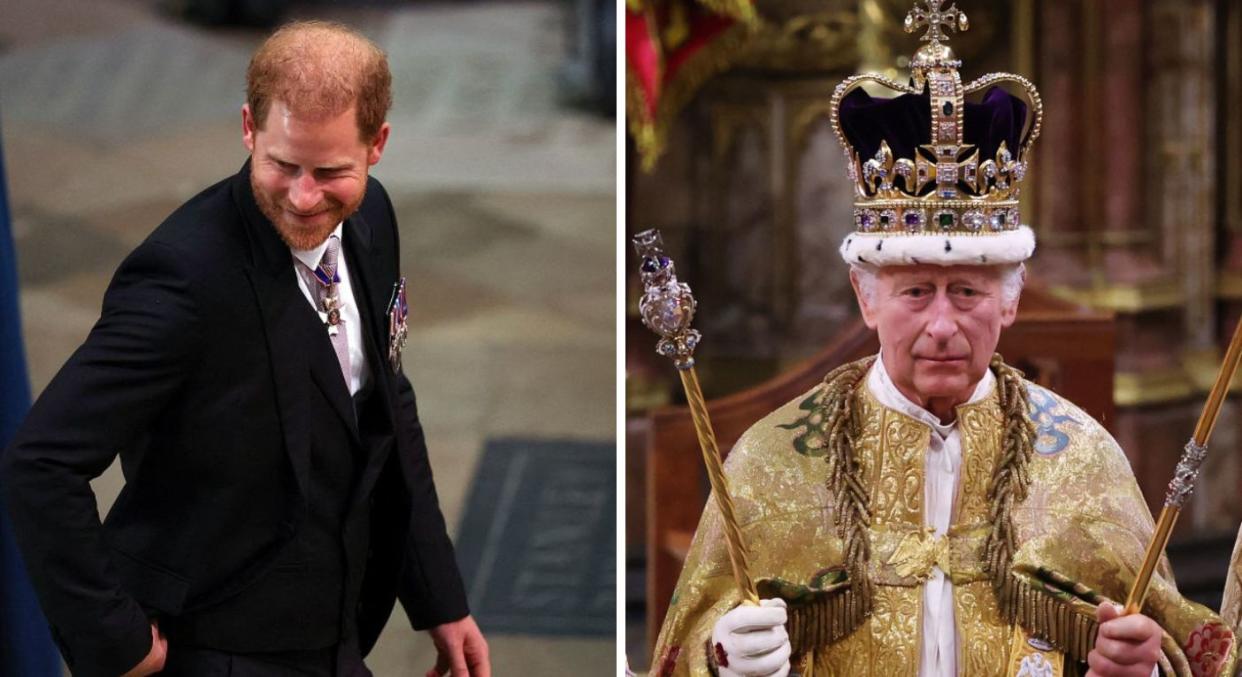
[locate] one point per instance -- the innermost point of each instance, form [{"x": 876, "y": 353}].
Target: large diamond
[
  {"x": 973, "y": 220},
  {"x": 669, "y": 316},
  {"x": 997, "y": 219}
]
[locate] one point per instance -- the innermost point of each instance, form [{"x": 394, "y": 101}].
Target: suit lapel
[
  {"x": 296, "y": 340},
  {"x": 359, "y": 251},
  {"x": 370, "y": 293}
]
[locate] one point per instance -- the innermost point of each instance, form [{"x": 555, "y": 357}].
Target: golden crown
[{"x": 958, "y": 167}]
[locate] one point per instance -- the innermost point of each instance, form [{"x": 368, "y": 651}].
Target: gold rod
[
  {"x": 1160, "y": 539},
  {"x": 1217, "y": 397},
  {"x": 667, "y": 308},
  {"x": 1187, "y": 472},
  {"x": 720, "y": 485}
]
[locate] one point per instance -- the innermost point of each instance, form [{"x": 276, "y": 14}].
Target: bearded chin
[{"x": 293, "y": 235}]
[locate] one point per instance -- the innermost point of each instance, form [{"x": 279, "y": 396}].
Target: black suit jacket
[{"x": 199, "y": 374}]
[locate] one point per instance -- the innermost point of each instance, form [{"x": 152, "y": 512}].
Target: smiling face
[
  {"x": 308, "y": 173},
  {"x": 938, "y": 328}
]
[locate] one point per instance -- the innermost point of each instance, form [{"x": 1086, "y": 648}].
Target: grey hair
[{"x": 1013, "y": 278}]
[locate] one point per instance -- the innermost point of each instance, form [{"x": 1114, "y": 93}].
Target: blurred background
[
  {"x": 1135, "y": 197},
  {"x": 502, "y": 168}
]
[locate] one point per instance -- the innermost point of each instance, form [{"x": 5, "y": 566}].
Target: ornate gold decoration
[
  {"x": 919, "y": 552},
  {"x": 667, "y": 308},
  {"x": 833, "y": 431},
  {"x": 1081, "y": 532},
  {"x": 934, "y": 18},
  {"x": 649, "y": 125},
  {"x": 947, "y": 188}
]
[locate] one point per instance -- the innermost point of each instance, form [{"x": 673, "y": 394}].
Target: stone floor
[{"x": 114, "y": 113}]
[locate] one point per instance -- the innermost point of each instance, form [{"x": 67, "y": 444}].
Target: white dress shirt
[
  {"x": 359, "y": 375},
  {"x": 941, "y": 464}
]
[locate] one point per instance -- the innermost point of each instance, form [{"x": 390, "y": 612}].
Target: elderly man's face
[
  {"x": 938, "y": 327},
  {"x": 308, "y": 174}
]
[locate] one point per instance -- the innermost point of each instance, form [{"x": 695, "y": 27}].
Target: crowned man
[{"x": 927, "y": 511}]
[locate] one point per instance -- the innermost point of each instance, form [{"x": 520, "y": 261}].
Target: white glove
[{"x": 750, "y": 641}]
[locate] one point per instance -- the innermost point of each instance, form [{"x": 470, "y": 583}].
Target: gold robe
[
  {"x": 1231, "y": 604},
  {"x": 1081, "y": 534}
]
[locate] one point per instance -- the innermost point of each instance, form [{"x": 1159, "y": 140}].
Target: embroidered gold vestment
[
  {"x": 1231, "y": 604},
  {"x": 1081, "y": 533}
]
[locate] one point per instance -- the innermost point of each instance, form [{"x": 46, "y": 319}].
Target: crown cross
[{"x": 934, "y": 18}]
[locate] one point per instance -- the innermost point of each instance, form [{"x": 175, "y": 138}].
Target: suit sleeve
[
  {"x": 111, "y": 389},
  {"x": 430, "y": 586}
]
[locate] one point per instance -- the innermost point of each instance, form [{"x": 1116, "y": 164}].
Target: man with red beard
[{"x": 246, "y": 367}]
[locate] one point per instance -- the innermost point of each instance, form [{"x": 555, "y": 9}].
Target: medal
[
  {"x": 331, "y": 314},
  {"x": 398, "y": 310}
]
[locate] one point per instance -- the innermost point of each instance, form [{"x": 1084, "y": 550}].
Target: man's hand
[
  {"x": 1127, "y": 646},
  {"x": 154, "y": 662},
  {"x": 460, "y": 650},
  {"x": 751, "y": 641}
]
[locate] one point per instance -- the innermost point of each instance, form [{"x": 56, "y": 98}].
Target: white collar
[
  {"x": 887, "y": 393},
  {"x": 311, "y": 257}
]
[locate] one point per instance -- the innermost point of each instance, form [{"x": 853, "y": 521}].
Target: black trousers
[{"x": 343, "y": 660}]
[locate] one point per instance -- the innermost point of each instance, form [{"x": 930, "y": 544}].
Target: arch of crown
[{"x": 971, "y": 195}]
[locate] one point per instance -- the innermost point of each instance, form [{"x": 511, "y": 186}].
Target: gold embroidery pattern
[
  {"x": 1231, "y": 605},
  {"x": 982, "y": 649},
  {"x": 886, "y": 644},
  {"x": 980, "y": 428},
  {"x": 1084, "y": 521},
  {"x": 897, "y": 493}
]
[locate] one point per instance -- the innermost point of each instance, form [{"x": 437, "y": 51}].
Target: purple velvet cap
[{"x": 905, "y": 122}]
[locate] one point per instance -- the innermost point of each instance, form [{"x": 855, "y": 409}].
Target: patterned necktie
[{"x": 324, "y": 286}]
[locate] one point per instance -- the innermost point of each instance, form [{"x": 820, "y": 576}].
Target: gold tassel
[
  {"x": 1010, "y": 483},
  {"x": 832, "y": 617},
  {"x": 1067, "y": 623},
  {"x": 824, "y": 620}
]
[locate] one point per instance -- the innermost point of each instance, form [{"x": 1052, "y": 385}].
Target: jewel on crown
[{"x": 965, "y": 187}]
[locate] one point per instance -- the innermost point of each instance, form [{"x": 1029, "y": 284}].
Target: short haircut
[{"x": 319, "y": 69}]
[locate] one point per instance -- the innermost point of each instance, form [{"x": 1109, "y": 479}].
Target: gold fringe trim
[
  {"x": 650, "y": 133},
  {"x": 1067, "y": 624},
  {"x": 826, "y": 620}
]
